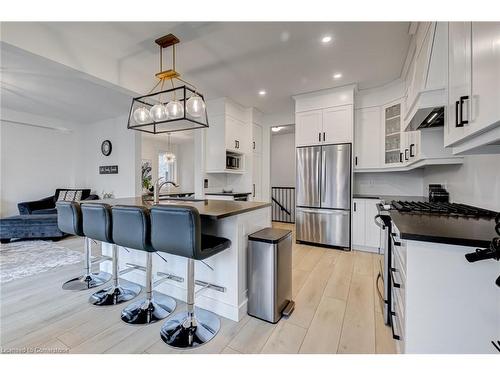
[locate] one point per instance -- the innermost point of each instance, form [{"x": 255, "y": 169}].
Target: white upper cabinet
[
  {"x": 229, "y": 131},
  {"x": 337, "y": 124},
  {"x": 485, "y": 76},
  {"x": 324, "y": 117},
  {"x": 325, "y": 126},
  {"x": 367, "y": 138},
  {"x": 236, "y": 135},
  {"x": 473, "y": 87},
  {"x": 459, "y": 79},
  {"x": 256, "y": 138},
  {"x": 309, "y": 128}
]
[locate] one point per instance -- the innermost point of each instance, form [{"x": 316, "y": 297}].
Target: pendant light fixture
[
  {"x": 176, "y": 106},
  {"x": 169, "y": 155}
]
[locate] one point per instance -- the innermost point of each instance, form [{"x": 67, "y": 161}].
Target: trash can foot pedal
[{"x": 287, "y": 311}]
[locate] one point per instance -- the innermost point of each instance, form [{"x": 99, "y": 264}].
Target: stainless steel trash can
[{"x": 269, "y": 274}]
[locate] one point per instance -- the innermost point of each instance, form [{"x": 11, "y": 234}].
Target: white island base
[{"x": 229, "y": 266}]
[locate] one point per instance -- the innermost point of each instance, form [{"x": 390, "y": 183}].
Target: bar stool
[
  {"x": 177, "y": 230},
  {"x": 97, "y": 224},
  {"x": 132, "y": 229},
  {"x": 69, "y": 220}
]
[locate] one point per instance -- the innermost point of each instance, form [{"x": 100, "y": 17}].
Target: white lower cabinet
[
  {"x": 442, "y": 304},
  {"x": 365, "y": 233}
]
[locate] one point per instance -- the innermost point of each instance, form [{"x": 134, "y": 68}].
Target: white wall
[
  {"x": 126, "y": 154},
  {"x": 283, "y": 160},
  {"x": 475, "y": 182},
  {"x": 34, "y": 160},
  {"x": 390, "y": 183}
]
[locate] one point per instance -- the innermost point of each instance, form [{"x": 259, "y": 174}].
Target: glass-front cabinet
[{"x": 392, "y": 125}]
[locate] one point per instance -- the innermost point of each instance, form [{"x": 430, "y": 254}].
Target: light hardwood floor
[{"x": 337, "y": 311}]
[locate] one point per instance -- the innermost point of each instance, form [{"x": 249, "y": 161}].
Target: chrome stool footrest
[
  {"x": 87, "y": 281},
  {"x": 149, "y": 310},
  {"x": 115, "y": 294},
  {"x": 185, "y": 330}
]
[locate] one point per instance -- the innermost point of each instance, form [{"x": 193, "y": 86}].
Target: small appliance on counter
[{"x": 437, "y": 193}]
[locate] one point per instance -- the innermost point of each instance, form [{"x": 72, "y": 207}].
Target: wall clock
[{"x": 106, "y": 148}]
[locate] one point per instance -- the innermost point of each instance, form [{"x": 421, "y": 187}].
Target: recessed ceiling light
[
  {"x": 326, "y": 39},
  {"x": 262, "y": 92},
  {"x": 337, "y": 75}
]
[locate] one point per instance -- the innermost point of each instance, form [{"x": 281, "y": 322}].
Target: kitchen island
[{"x": 229, "y": 219}]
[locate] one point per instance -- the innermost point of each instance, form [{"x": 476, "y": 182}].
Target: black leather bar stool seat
[
  {"x": 177, "y": 230},
  {"x": 69, "y": 220},
  {"x": 132, "y": 229},
  {"x": 98, "y": 225}
]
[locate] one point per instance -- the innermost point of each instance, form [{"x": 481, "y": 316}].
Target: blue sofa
[{"x": 37, "y": 219}]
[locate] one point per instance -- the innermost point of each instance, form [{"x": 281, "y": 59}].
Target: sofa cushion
[
  {"x": 46, "y": 211},
  {"x": 70, "y": 195},
  {"x": 30, "y": 226}
]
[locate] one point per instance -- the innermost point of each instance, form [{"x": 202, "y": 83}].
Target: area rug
[{"x": 26, "y": 258}]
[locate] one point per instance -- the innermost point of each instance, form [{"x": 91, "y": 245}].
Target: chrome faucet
[{"x": 157, "y": 187}]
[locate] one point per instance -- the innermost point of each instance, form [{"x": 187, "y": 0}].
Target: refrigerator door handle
[
  {"x": 323, "y": 175},
  {"x": 324, "y": 211}
]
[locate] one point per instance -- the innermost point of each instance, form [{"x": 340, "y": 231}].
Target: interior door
[
  {"x": 336, "y": 176},
  {"x": 308, "y": 165}
]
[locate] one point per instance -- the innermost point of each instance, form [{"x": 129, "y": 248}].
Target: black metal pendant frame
[{"x": 183, "y": 123}]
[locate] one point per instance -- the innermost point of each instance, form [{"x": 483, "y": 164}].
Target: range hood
[
  {"x": 427, "y": 118},
  {"x": 428, "y": 93}
]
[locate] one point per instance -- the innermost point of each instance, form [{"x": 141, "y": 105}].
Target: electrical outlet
[{"x": 205, "y": 183}]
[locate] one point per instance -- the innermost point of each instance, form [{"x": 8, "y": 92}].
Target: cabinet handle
[
  {"x": 400, "y": 157},
  {"x": 324, "y": 138},
  {"x": 394, "y": 241},
  {"x": 394, "y": 335},
  {"x": 235, "y": 143},
  {"x": 406, "y": 154},
  {"x": 354, "y": 206},
  {"x": 462, "y": 100},
  {"x": 253, "y": 190},
  {"x": 356, "y": 160},
  {"x": 319, "y": 137},
  {"x": 412, "y": 154},
  {"x": 394, "y": 283},
  {"x": 457, "y": 124},
  {"x": 253, "y": 145}
]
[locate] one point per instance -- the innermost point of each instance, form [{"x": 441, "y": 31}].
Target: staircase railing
[{"x": 283, "y": 204}]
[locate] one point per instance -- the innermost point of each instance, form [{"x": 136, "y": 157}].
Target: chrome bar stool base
[
  {"x": 148, "y": 311},
  {"x": 87, "y": 281},
  {"x": 115, "y": 294},
  {"x": 185, "y": 330}
]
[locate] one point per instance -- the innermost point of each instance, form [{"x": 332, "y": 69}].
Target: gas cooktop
[{"x": 442, "y": 208}]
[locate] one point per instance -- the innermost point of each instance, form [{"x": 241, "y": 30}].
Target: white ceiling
[
  {"x": 33, "y": 84},
  {"x": 237, "y": 59}
]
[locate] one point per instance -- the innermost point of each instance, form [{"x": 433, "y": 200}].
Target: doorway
[{"x": 283, "y": 173}]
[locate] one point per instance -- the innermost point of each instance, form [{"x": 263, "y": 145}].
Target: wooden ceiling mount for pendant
[{"x": 166, "y": 41}]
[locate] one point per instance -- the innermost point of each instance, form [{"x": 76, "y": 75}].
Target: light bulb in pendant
[
  {"x": 141, "y": 115},
  {"x": 195, "y": 106},
  {"x": 158, "y": 112},
  {"x": 169, "y": 157},
  {"x": 175, "y": 109}
]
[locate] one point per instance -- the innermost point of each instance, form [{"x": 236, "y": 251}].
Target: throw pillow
[{"x": 70, "y": 195}]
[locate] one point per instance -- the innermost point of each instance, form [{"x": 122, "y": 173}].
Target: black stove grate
[{"x": 443, "y": 208}]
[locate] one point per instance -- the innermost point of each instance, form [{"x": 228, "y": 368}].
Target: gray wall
[{"x": 283, "y": 160}]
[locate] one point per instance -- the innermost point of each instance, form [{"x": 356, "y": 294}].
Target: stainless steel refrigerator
[{"x": 323, "y": 213}]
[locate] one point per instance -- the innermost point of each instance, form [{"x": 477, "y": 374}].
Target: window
[{"x": 167, "y": 169}]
